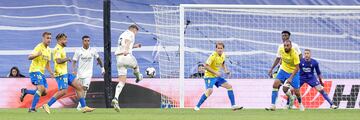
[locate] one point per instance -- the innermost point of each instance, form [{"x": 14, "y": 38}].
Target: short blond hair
[{"x": 46, "y": 33}]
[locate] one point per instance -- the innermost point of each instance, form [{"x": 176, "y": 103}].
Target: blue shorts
[
  {"x": 37, "y": 78},
  {"x": 64, "y": 81},
  {"x": 217, "y": 81},
  {"x": 310, "y": 81},
  {"x": 282, "y": 76}
]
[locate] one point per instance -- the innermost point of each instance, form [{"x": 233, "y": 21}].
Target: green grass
[{"x": 182, "y": 114}]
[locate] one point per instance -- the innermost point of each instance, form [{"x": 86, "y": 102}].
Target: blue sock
[
  {"x": 231, "y": 97},
  {"x": 274, "y": 96},
  {"x": 324, "y": 94},
  {"x": 82, "y": 102},
  {"x": 35, "y": 100},
  {"x": 52, "y": 101},
  {"x": 288, "y": 101},
  {"x": 32, "y": 92},
  {"x": 201, "y": 101},
  {"x": 299, "y": 99}
]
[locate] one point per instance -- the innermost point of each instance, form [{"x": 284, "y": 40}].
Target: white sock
[
  {"x": 137, "y": 72},
  {"x": 118, "y": 90},
  {"x": 288, "y": 93}
]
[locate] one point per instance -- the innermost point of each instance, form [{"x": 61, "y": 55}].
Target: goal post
[{"x": 251, "y": 34}]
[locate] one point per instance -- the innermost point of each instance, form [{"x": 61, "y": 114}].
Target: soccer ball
[{"x": 150, "y": 72}]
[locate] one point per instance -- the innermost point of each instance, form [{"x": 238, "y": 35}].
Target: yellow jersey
[
  {"x": 59, "y": 52},
  {"x": 290, "y": 60},
  {"x": 38, "y": 64},
  {"x": 215, "y": 62}
]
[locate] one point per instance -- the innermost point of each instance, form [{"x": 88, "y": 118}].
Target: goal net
[{"x": 252, "y": 34}]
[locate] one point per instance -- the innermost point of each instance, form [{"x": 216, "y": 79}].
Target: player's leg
[
  {"x": 118, "y": 90},
  {"x": 296, "y": 84},
  {"x": 79, "y": 93},
  {"x": 24, "y": 91},
  {"x": 316, "y": 84},
  {"x": 39, "y": 80},
  {"x": 37, "y": 95},
  {"x": 230, "y": 92},
  {"x": 85, "y": 83},
  {"x": 209, "y": 83},
  {"x": 291, "y": 93},
  {"x": 136, "y": 67},
  {"x": 122, "y": 72},
  {"x": 280, "y": 78},
  {"x": 62, "y": 88}
]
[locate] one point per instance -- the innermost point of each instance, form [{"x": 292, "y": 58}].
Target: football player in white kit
[
  {"x": 85, "y": 57},
  {"x": 125, "y": 60}
]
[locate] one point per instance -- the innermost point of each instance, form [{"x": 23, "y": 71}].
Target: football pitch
[{"x": 181, "y": 114}]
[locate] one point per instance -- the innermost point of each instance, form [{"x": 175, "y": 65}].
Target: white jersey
[
  {"x": 121, "y": 42},
  {"x": 85, "y": 58},
  {"x": 294, "y": 45}
]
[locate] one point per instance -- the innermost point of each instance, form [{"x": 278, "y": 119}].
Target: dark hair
[
  {"x": 60, "y": 35},
  {"x": 307, "y": 50},
  {"x": 287, "y": 32},
  {"x": 17, "y": 74},
  {"x": 134, "y": 26},
  {"x": 85, "y": 36},
  {"x": 219, "y": 43},
  {"x": 201, "y": 65},
  {"x": 46, "y": 33}
]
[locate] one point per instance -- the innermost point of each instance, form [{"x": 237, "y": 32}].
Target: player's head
[
  {"x": 61, "y": 39},
  {"x": 86, "y": 41},
  {"x": 133, "y": 28},
  {"x": 307, "y": 53},
  {"x": 287, "y": 45},
  {"x": 285, "y": 35},
  {"x": 219, "y": 47},
  {"x": 46, "y": 38},
  {"x": 201, "y": 68}
]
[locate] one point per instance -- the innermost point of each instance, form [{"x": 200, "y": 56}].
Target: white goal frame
[{"x": 228, "y": 6}]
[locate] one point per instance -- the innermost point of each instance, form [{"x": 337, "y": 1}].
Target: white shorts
[
  {"x": 125, "y": 62},
  {"x": 85, "y": 82}
]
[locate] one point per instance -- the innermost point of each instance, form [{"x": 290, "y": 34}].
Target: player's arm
[
  {"x": 127, "y": 47},
  {"x": 74, "y": 65},
  {"x": 74, "y": 68},
  {"x": 98, "y": 59},
  {"x": 101, "y": 65},
  {"x": 137, "y": 45},
  {"x": 60, "y": 60},
  {"x": 289, "y": 80},
  {"x": 226, "y": 70},
  {"x": 299, "y": 51},
  {"x": 208, "y": 68},
  {"x": 276, "y": 62},
  {"x": 297, "y": 68},
  {"x": 318, "y": 72},
  {"x": 48, "y": 68},
  {"x": 34, "y": 54}
]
